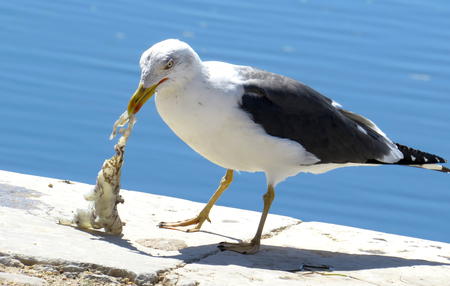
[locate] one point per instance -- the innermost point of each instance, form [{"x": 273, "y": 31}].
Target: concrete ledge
[{"x": 146, "y": 255}]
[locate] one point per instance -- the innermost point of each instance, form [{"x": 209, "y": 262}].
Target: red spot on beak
[{"x": 163, "y": 80}]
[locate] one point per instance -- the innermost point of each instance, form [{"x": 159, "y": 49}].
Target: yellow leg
[
  {"x": 204, "y": 214},
  {"x": 253, "y": 246}
]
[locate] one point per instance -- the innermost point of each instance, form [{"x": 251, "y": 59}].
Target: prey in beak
[{"x": 141, "y": 95}]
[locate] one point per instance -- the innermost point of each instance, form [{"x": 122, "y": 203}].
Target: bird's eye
[{"x": 169, "y": 64}]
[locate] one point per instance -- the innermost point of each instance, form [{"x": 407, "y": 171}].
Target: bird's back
[{"x": 289, "y": 109}]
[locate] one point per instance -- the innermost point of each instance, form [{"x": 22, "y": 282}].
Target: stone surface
[
  {"x": 293, "y": 253},
  {"x": 9, "y": 261},
  {"x": 71, "y": 275},
  {"x": 48, "y": 269},
  {"x": 101, "y": 278},
  {"x": 19, "y": 279},
  {"x": 72, "y": 268}
]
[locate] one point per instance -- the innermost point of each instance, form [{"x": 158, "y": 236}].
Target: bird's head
[{"x": 169, "y": 63}]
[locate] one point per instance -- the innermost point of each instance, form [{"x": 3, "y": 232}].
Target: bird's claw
[
  {"x": 179, "y": 225},
  {"x": 241, "y": 247}
]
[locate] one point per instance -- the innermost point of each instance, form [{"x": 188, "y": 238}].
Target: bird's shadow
[
  {"x": 121, "y": 242},
  {"x": 280, "y": 258},
  {"x": 118, "y": 240},
  {"x": 293, "y": 259}
]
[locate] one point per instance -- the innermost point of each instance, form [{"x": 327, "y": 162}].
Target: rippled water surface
[{"x": 68, "y": 69}]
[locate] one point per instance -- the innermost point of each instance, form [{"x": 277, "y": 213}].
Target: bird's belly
[
  {"x": 206, "y": 130},
  {"x": 226, "y": 135}
]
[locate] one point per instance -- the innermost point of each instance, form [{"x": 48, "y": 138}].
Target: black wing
[{"x": 289, "y": 109}]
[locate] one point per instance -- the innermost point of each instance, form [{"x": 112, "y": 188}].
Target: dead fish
[{"x": 102, "y": 211}]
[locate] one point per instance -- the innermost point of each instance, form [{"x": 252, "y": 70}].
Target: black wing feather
[{"x": 286, "y": 108}]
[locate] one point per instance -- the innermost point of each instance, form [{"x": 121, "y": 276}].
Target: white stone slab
[{"x": 30, "y": 207}]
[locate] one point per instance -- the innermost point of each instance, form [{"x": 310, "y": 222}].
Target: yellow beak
[{"x": 140, "y": 97}]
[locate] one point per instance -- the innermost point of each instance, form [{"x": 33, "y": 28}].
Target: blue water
[{"x": 69, "y": 67}]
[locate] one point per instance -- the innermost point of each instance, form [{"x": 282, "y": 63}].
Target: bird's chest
[{"x": 202, "y": 120}]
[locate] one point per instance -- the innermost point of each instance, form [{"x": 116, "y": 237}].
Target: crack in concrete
[{"x": 278, "y": 230}]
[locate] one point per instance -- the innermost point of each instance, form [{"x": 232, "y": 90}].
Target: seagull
[{"x": 246, "y": 119}]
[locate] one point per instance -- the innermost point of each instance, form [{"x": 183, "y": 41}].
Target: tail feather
[
  {"x": 416, "y": 157},
  {"x": 420, "y": 159}
]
